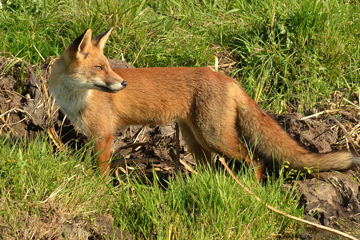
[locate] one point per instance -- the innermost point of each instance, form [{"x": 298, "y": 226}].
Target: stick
[
  {"x": 177, "y": 156},
  {"x": 120, "y": 162},
  {"x": 319, "y": 113},
  {"x": 190, "y": 169},
  {"x": 132, "y": 145},
  {"x": 347, "y": 135}
]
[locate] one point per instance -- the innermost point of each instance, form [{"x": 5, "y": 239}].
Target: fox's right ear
[
  {"x": 82, "y": 45},
  {"x": 100, "y": 40}
]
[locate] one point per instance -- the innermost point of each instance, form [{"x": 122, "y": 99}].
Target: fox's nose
[{"x": 124, "y": 83}]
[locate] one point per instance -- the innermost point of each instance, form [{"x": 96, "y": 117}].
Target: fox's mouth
[
  {"x": 106, "y": 89},
  {"x": 111, "y": 88}
]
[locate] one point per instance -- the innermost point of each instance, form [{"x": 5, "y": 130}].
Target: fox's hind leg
[
  {"x": 227, "y": 142},
  {"x": 235, "y": 149},
  {"x": 201, "y": 155}
]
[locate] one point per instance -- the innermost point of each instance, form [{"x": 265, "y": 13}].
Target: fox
[{"x": 213, "y": 111}]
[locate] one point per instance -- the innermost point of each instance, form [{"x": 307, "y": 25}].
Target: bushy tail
[{"x": 273, "y": 143}]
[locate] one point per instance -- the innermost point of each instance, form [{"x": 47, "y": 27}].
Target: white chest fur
[{"x": 72, "y": 102}]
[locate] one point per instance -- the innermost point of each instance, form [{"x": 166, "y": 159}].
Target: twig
[
  {"x": 346, "y": 134},
  {"x": 141, "y": 131},
  {"x": 187, "y": 167},
  {"x": 217, "y": 66},
  {"x": 222, "y": 160},
  {"x": 133, "y": 145},
  {"x": 58, "y": 189},
  {"x": 350, "y": 103},
  {"x": 124, "y": 171},
  {"x": 137, "y": 55},
  {"x": 13, "y": 92},
  {"x": 177, "y": 155},
  {"x": 329, "y": 111},
  {"x": 14, "y": 123},
  {"x": 319, "y": 113},
  {"x": 20, "y": 110},
  {"x": 118, "y": 176},
  {"x": 8, "y": 111},
  {"x": 120, "y": 162},
  {"x": 6, "y": 124},
  {"x": 353, "y": 131},
  {"x": 39, "y": 53},
  {"x": 56, "y": 139}
]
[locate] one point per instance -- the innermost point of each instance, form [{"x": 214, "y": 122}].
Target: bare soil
[{"x": 27, "y": 109}]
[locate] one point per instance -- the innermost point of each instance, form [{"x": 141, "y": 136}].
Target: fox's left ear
[{"x": 100, "y": 40}]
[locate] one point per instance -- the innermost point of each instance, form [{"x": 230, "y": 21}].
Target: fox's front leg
[{"x": 103, "y": 151}]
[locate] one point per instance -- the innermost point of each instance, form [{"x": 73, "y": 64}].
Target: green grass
[
  {"x": 206, "y": 206},
  {"x": 203, "y": 206},
  {"x": 32, "y": 178}
]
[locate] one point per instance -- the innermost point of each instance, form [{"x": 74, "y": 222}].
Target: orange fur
[{"x": 213, "y": 111}]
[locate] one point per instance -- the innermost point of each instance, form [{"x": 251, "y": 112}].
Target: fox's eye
[{"x": 100, "y": 68}]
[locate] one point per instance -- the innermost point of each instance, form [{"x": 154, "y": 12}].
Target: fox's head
[{"x": 84, "y": 66}]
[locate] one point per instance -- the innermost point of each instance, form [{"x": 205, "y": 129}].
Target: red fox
[{"x": 213, "y": 111}]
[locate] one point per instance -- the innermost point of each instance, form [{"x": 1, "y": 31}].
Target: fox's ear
[
  {"x": 100, "y": 40},
  {"x": 82, "y": 45}
]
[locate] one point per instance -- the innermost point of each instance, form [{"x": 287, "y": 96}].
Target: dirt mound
[
  {"x": 27, "y": 108},
  {"x": 328, "y": 198},
  {"x": 22, "y": 110},
  {"x": 56, "y": 224}
]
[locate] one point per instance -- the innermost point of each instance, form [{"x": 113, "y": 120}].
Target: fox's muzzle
[{"x": 111, "y": 87}]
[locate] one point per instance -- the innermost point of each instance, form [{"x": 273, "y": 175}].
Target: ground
[{"x": 27, "y": 108}]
